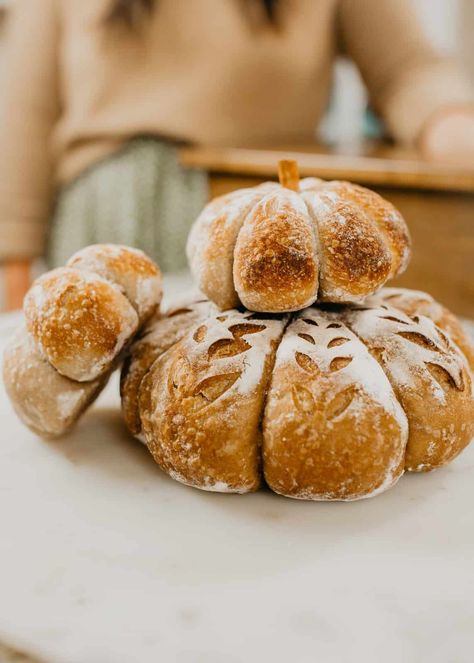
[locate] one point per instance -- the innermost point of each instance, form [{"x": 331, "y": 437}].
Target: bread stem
[{"x": 288, "y": 174}]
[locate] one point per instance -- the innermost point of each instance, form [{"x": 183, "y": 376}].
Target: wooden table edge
[{"x": 376, "y": 171}]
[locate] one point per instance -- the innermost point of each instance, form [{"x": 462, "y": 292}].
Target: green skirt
[{"x": 139, "y": 196}]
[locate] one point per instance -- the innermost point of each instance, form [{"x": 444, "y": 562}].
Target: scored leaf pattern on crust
[
  {"x": 410, "y": 346},
  {"x": 323, "y": 390},
  {"x": 319, "y": 345},
  {"x": 221, "y": 361},
  {"x": 233, "y": 345}
]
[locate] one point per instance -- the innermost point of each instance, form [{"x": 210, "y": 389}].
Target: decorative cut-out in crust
[{"x": 332, "y": 403}]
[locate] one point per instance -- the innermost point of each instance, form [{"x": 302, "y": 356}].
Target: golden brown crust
[
  {"x": 354, "y": 257},
  {"x": 430, "y": 378},
  {"x": 333, "y": 429},
  {"x": 80, "y": 321},
  {"x": 275, "y": 265},
  {"x": 160, "y": 334},
  {"x": 84, "y": 314},
  {"x": 266, "y": 247},
  {"x": 335, "y": 403},
  {"x": 47, "y": 402},
  {"x": 388, "y": 219},
  {"x": 211, "y": 242},
  {"x": 131, "y": 270},
  {"x": 202, "y": 401},
  {"x": 416, "y": 303}
]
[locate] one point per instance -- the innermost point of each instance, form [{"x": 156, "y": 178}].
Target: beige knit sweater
[{"x": 200, "y": 70}]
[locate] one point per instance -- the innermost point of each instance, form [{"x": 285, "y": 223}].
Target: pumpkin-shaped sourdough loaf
[
  {"x": 79, "y": 318},
  {"x": 331, "y": 403},
  {"x": 281, "y": 247}
]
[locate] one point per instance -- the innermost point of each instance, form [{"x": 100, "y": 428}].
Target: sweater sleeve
[
  {"x": 28, "y": 110},
  {"x": 408, "y": 81}
]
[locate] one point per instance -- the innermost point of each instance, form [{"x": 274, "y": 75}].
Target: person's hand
[
  {"x": 449, "y": 137},
  {"x": 17, "y": 280}
]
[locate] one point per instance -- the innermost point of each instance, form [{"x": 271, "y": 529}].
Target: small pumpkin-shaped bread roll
[
  {"x": 79, "y": 320},
  {"x": 82, "y": 315},
  {"x": 281, "y": 247},
  {"x": 331, "y": 403}
]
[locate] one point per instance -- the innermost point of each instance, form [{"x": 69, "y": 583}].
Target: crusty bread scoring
[
  {"x": 430, "y": 377},
  {"x": 277, "y": 250},
  {"x": 415, "y": 303},
  {"x": 334, "y": 403},
  {"x": 159, "y": 335},
  {"x": 202, "y": 400},
  {"x": 333, "y": 428}
]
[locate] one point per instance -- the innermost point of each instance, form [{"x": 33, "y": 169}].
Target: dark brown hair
[{"x": 131, "y": 13}]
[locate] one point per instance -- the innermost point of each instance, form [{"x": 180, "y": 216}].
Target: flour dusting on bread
[
  {"x": 250, "y": 246},
  {"x": 333, "y": 403},
  {"x": 79, "y": 320}
]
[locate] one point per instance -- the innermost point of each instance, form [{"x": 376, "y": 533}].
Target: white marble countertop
[{"x": 104, "y": 559}]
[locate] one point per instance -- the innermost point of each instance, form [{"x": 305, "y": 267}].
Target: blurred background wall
[
  {"x": 467, "y": 34},
  {"x": 450, "y": 25}
]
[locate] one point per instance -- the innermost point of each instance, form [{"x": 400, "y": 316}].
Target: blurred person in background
[{"x": 98, "y": 94}]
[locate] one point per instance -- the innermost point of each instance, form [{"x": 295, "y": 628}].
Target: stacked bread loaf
[
  {"x": 328, "y": 403},
  {"x": 301, "y": 371},
  {"x": 281, "y": 247}
]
